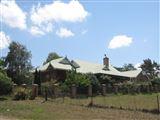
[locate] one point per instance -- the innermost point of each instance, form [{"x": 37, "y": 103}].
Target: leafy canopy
[
  {"x": 126, "y": 67},
  {"x": 51, "y": 56},
  {"x": 18, "y": 63},
  {"x": 150, "y": 68}
]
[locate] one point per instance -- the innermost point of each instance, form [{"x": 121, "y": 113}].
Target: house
[{"x": 56, "y": 70}]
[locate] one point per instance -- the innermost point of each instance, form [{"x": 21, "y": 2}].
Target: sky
[{"x": 126, "y": 31}]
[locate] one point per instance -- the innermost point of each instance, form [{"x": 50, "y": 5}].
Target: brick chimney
[{"x": 106, "y": 61}]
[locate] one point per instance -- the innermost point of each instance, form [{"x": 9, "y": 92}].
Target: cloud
[
  {"x": 137, "y": 66},
  {"x": 36, "y": 31},
  {"x": 12, "y": 15},
  {"x": 64, "y": 33},
  {"x": 57, "y": 11},
  {"x": 4, "y": 40},
  {"x": 120, "y": 41}
]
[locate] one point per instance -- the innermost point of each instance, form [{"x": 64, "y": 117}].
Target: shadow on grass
[
  {"x": 153, "y": 111},
  {"x": 3, "y": 99}
]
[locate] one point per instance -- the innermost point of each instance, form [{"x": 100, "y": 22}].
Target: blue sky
[{"x": 126, "y": 31}]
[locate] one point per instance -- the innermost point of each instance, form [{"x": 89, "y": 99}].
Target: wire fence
[
  {"x": 148, "y": 102},
  {"x": 145, "y": 102}
]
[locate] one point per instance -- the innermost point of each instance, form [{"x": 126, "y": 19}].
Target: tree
[
  {"x": 51, "y": 56},
  {"x": 150, "y": 68},
  {"x": 5, "y": 84},
  {"x": 5, "y": 81},
  {"x": 128, "y": 67},
  {"x": 2, "y": 65},
  {"x": 105, "y": 79},
  {"x": 18, "y": 63}
]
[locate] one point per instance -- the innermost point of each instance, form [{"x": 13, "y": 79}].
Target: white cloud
[
  {"x": 137, "y": 66},
  {"x": 58, "y": 11},
  {"x": 4, "y": 40},
  {"x": 64, "y": 33},
  {"x": 12, "y": 15},
  {"x": 47, "y": 15},
  {"x": 36, "y": 31},
  {"x": 120, "y": 41}
]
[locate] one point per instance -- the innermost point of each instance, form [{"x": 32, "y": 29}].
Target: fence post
[
  {"x": 138, "y": 89},
  {"x": 158, "y": 107},
  {"x": 46, "y": 95},
  {"x": 90, "y": 90},
  {"x": 148, "y": 90},
  {"x": 24, "y": 85},
  {"x": 34, "y": 90},
  {"x": 90, "y": 95},
  {"x": 115, "y": 89},
  {"x": 104, "y": 89},
  {"x": 73, "y": 91},
  {"x": 156, "y": 88},
  {"x": 14, "y": 86}
]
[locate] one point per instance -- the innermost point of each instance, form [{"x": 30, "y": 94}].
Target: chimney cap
[{"x": 105, "y": 56}]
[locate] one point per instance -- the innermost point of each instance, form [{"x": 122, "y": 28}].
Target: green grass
[
  {"x": 71, "y": 109},
  {"x": 139, "y": 101}
]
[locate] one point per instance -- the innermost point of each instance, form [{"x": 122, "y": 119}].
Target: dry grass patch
[{"x": 70, "y": 109}]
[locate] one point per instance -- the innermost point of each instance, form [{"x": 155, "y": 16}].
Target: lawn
[
  {"x": 138, "y": 101},
  {"x": 76, "y": 108}
]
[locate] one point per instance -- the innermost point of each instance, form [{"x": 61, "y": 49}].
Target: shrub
[
  {"x": 81, "y": 81},
  {"x": 156, "y": 81},
  {"x": 30, "y": 95},
  {"x": 94, "y": 82},
  {"x": 5, "y": 84},
  {"x": 20, "y": 94}
]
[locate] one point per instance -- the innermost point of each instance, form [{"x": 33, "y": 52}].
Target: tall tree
[
  {"x": 2, "y": 64},
  {"x": 127, "y": 67},
  {"x": 18, "y": 63},
  {"x": 51, "y": 56},
  {"x": 150, "y": 67}
]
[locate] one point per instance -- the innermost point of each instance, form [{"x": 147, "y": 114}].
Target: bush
[
  {"x": 5, "y": 84},
  {"x": 20, "y": 94},
  {"x": 94, "y": 82},
  {"x": 156, "y": 81},
  {"x": 81, "y": 81}
]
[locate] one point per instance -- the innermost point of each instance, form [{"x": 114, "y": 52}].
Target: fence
[
  {"x": 104, "y": 99},
  {"x": 26, "y": 90}
]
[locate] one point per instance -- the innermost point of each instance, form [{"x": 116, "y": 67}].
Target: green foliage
[
  {"x": 128, "y": 67},
  {"x": 5, "y": 84},
  {"x": 64, "y": 87},
  {"x": 21, "y": 93},
  {"x": 18, "y": 63},
  {"x": 94, "y": 82},
  {"x": 149, "y": 67},
  {"x": 77, "y": 79},
  {"x": 2, "y": 64},
  {"x": 156, "y": 81},
  {"x": 105, "y": 79},
  {"x": 80, "y": 80},
  {"x": 51, "y": 56}
]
